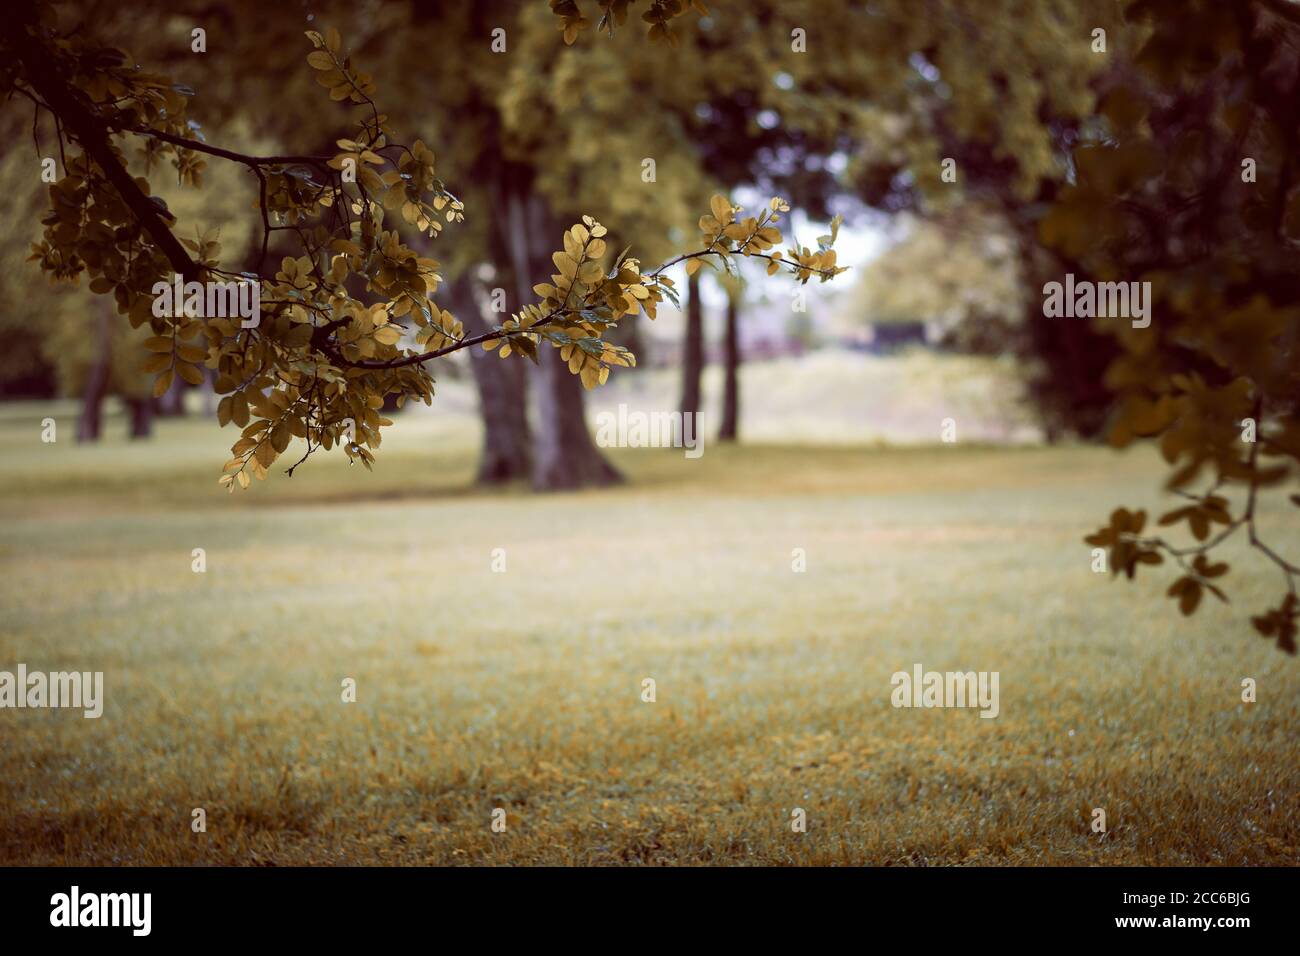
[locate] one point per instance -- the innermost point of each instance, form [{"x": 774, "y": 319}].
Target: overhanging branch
[{"x": 93, "y": 136}]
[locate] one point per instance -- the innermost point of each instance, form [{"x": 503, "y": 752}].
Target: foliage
[
  {"x": 613, "y": 13},
  {"x": 336, "y": 317},
  {"x": 1190, "y": 186},
  {"x": 56, "y": 322}
]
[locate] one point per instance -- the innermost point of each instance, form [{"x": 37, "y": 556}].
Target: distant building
[{"x": 883, "y": 338}]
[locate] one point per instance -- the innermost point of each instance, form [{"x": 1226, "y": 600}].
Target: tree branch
[
  {"x": 253, "y": 162},
  {"x": 93, "y": 135}
]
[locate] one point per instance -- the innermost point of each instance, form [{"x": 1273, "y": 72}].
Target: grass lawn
[{"x": 522, "y": 690}]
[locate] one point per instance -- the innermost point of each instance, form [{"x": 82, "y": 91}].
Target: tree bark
[
  {"x": 91, "y": 423},
  {"x": 692, "y": 349},
  {"x": 564, "y": 455},
  {"x": 208, "y": 391},
  {"x": 141, "y": 410},
  {"x": 502, "y": 396},
  {"x": 731, "y": 383}
]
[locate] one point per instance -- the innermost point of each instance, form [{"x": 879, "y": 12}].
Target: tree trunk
[
  {"x": 91, "y": 423},
  {"x": 693, "y": 349},
  {"x": 564, "y": 455},
  {"x": 501, "y": 383},
  {"x": 171, "y": 404},
  {"x": 141, "y": 410},
  {"x": 208, "y": 392},
  {"x": 731, "y": 384},
  {"x": 502, "y": 396}
]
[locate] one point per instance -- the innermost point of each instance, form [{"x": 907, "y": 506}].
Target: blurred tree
[
  {"x": 1190, "y": 185},
  {"x": 958, "y": 271},
  {"x": 692, "y": 348},
  {"x": 97, "y": 356},
  {"x": 95, "y": 386},
  {"x": 729, "y": 427}
]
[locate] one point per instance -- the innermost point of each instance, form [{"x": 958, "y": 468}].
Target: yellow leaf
[
  {"x": 568, "y": 267},
  {"x": 191, "y": 373},
  {"x": 572, "y": 245},
  {"x": 156, "y": 363}
]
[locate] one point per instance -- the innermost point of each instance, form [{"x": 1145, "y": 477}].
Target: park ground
[{"x": 478, "y": 690}]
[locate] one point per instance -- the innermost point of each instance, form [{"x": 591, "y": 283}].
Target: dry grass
[{"x": 522, "y": 690}]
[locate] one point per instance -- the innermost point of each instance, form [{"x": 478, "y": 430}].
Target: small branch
[
  {"x": 502, "y": 333},
  {"x": 253, "y": 162}
]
